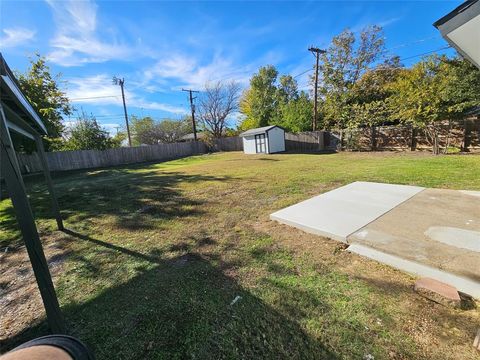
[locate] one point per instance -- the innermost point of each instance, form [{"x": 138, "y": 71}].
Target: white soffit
[{"x": 467, "y": 38}]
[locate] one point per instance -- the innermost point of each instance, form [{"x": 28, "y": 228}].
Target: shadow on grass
[
  {"x": 140, "y": 199},
  {"x": 181, "y": 308}
]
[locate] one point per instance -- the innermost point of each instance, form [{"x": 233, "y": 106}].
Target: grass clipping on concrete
[{"x": 179, "y": 260}]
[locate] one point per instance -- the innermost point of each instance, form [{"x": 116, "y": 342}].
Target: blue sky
[{"x": 160, "y": 47}]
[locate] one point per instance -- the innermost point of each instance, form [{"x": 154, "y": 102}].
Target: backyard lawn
[{"x": 180, "y": 260}]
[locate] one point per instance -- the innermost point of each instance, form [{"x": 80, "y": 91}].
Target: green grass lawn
[{"x": 155, "y": 255}]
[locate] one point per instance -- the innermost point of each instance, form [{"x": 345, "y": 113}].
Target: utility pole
[
  {"x": 192, "y": 106},
  {"x": 316, "y": 52},
  {"x": 121, "y": 82}
]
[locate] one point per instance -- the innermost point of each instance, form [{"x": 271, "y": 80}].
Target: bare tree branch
[{"x": 218, "y": 101}]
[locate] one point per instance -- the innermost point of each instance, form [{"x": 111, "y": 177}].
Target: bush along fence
[{"x": 449, "y": 136}]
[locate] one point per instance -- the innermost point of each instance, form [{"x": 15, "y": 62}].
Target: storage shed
[{"x": 264, "y": 140}]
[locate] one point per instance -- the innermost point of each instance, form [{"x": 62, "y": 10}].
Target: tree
[
  {"x": 43, "y": 91},
  {"x": 342, "y": 65},
  {"x": 296, "y": 114},
  {"x": 143, "y": 131},
  {"x": 218, "y": 101},
  {"x": 258, "y": 103},
  {"x": 462, "y": 88},
  {"x": 417, "y": 97},
  {"x": 369, "y": 96},
  {"x": 170, "y": 131},
  {"x": 147, "y": 131},
  {"x": 87, "y": 134},
  {"x": 119, "y": 138},
  {"x": 272, "y": 102}
]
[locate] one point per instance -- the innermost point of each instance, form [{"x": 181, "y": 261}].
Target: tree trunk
[
  {"x": 413, "y": 141},
  {"x": 467, "y": 137},
  {"x": 447, "y": 141},
  {"x": 435, "y": 141},
  {"x": 374, "y": 138}
]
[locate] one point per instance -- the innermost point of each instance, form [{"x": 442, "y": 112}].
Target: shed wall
[
  {"x": 276, "y": 140},
  {"x": 249, "y": 145}
]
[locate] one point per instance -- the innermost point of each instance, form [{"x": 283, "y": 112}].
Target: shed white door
[{"x": 260, "y": 145}]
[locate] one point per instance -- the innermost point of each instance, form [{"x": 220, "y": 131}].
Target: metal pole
[
  {"x": 48, "y": 179},
  {"x": 11, "y": 173}
]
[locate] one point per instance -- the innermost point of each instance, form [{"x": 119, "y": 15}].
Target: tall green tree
[
  {"x": 347, "y": 58},
  {"x": 87, "y": 134},
  {"x": 296, "y": 114},
  {"x": 143, "y": 131},
  {"x": 273, "y": 100},
  {"x": 258, "y": 103},
  {"x": 43, "y": 91},
  {"x": 417, "y": 97},
  {"x": 462, "y": 88}
]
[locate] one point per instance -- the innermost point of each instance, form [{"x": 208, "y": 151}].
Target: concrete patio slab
[
  {"x": 463, "y": 284},
  {"x": 431, "y": 233},
  {"x": 343, "y": 211},
  {"x": 438, "y": 228}
]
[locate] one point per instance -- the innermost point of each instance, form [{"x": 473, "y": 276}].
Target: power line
[
  {"x": 392, "y": 48},
  {"x": 401, "y": 59},
  {"x": 412, "y": 42},
  {"x": 303, "y": 72},
  {"x": 94, "y": 97},
  {"x": 109, "y": 115},
  {"x": 426, "y": 53}
]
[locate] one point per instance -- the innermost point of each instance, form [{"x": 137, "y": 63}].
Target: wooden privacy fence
[
  {"x": 86, "y": 159},
  {"x": 305, "y": 141},
  {"x": 462, "y": 135},
  {"x": 233, "y": 143}
]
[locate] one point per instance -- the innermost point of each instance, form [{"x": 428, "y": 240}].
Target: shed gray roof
[
  {"x": 20, "y": 113},
  {"x": 260, "y": 130}
]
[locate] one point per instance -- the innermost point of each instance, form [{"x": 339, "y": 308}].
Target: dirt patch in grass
[{"x": 20, "y": 302}]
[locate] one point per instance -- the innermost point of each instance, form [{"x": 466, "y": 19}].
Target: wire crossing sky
[{"x": 161, "y": 47}]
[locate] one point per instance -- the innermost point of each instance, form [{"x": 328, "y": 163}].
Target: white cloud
[
  {"x": 76, "y": 41},
  {"x": 188, "y": 72},
  {"x": 16, "y": 36}
]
